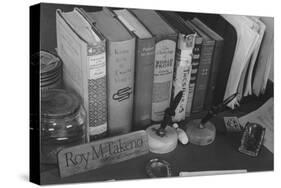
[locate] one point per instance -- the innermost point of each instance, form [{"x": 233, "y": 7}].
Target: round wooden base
[{"x": 200, "y": 135}]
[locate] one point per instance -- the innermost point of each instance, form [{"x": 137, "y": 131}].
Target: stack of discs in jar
[{"x": 50, "y": 71}]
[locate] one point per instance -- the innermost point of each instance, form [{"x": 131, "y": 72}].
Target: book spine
[
  {"x": 195, "y": 64},
  {"x": 214, "y": 74},
  {"x": 97, "y": 112},
  {"x": 163, "y": 76},
  {"x": 182, "y": 73},
  {"x": 145, "y": 53},
  {"x": 203, "y": 76},
  {"x": 120, "y": 74}
]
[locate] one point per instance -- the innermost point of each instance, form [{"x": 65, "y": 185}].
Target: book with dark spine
[
  {"x": 165, "y": 47},
  {"x": 219, "y": 43},
  {"x": 120, "y": 70},
  {"x": 183, "y": 67},
  {"x": 144, "y": 64},
  {"x": 203, "y": 71},
  {"x": 229, "y": 34}
]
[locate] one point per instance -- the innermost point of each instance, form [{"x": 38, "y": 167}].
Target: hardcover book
[
  {"x": 183, "y": 67},
  {"x": 120, "y": 70},
  {"x": 82, "y": 49},
  {"x": 165, "y": 47},
  {"x": 196, "y": 54},
  {"x": 216, "y": 61},
  {"x": 144, "y": 66},
  {"x": 203, "y": 70},
  {"x": 229, "y": 34}
]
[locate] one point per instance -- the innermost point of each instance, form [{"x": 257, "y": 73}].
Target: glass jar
[
  {"x": 62, "y": 123},
  {"x": 50, "y": 70}
]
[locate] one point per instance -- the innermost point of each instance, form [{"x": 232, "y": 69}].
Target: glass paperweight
[
  {"x": 157, "y": 168},
  {"x": 252, "y": 139}
]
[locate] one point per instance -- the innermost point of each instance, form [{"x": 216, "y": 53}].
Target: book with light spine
[
  {"x": 165, "y": 48},
  {"x": 82, "y": 49},
  {"x": 120, "y": 48}
]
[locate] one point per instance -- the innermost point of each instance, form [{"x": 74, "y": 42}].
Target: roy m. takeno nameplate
[{"x": 99, "y": 153}]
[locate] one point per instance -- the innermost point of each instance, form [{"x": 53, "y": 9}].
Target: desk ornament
[
  {"x": 204, "y": 132},
  {"x": 163, "y": 138},
  {"x": 252, "y": 139},
  {"x": 157, "y": 168}
]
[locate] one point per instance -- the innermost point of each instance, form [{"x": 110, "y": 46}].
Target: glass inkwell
[
  {"x": 204, "y": 132},
  {"x": 62, "y": 123},
  {"x": 163, "y": 138},
  {"x": 252, "y": 139}
]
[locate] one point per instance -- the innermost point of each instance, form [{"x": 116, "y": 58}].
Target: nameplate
[{"x": 99, "y": 153}]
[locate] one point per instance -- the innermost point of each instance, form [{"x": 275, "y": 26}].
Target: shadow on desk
[{"x": 222, "y": 154}]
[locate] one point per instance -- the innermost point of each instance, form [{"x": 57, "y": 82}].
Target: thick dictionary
[
  {"x": 219, "y": 43},
  {"x": 203, "y": 70},
  {"x": 82, "y": 49},
  {"x": 165, "y": 47},
  {"x": 144, "y": 64},
  {"x": 183, "y": 67},
  {"x": 120, "y": 70}
]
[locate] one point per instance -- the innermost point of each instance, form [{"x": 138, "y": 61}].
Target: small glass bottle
[{"x": 62, "y": 123}]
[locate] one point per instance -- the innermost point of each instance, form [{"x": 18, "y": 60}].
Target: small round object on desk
[
  {"x": 62, "y": 123},
  {"x": 157, "y": 168},
  {"x": 200, "y": 135},
  {"x": 162, "y": 144}
]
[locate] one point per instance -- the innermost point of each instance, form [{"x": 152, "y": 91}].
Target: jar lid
[
  {"x": 49, "y": 63},
  {"x": 58, "y": 103}
]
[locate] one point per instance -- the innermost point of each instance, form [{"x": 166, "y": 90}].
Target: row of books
[
  {"x": 127, "y": 65},
  {"x": 248, "y": 54}
]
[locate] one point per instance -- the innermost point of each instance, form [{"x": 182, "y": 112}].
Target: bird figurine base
[
  {"x": 161, "y": 144},
  {"x": 200, "y": 134}
]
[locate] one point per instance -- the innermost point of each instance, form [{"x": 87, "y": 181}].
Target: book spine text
[
  {"x": 182, "y": 73},
  {"x": 163, "y": 77},
  {"x": 195, "y": 64},
  {"x": 145, "y": 52},
  {"x": 203, "y": 76},
  {"x": 97, "y": 91},
  {"x": 120, "y": 69}
]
